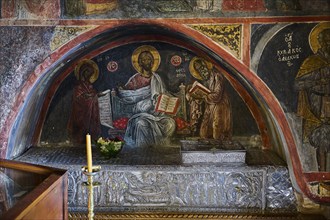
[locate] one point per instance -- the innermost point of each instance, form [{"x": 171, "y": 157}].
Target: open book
[
  {"x": 167, "y": 104},
  {"x": 105, "y": 108},
  {"x": 199, "y": 90}
]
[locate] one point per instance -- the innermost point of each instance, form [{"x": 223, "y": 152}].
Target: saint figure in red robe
[{"x": 85, "y": 117}]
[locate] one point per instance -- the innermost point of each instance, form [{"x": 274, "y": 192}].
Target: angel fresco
[
  {"x": 313, "y": 84},
  {"x": 85, "y": 117},
  {"x": 146, "y": 127},
  {"x": 217, "y": 117}
]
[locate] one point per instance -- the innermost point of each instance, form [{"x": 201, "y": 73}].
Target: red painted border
[
  {"x": 245, "y": 48},
  {"x": 176, "y": 26},
  {"x": 317, "y": 176}
]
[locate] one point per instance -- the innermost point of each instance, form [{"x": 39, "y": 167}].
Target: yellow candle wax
[{"x": 89, "y": 153}]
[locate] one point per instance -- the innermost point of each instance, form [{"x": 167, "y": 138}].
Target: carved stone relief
[{"x": 185, "y": 188}]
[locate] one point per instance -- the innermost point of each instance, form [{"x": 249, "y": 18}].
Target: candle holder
[{"x": 91, "y": 184}]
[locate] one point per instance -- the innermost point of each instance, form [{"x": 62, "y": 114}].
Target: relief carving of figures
[
  {"x": 313, "y": 84},
  {"x": 216, "y": 122},
  {"x": 117, "y": 187},
  {"x": 146, "y": 188},
  {"x": 173, "y": 189},
  {"x": 77, "y": 193},
  {"x": 173, "y": 183}
]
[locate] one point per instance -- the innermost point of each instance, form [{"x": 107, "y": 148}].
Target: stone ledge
[{"x": 214, "y": 156}]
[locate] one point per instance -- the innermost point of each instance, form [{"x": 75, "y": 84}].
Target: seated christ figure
[{"x": 146, "y": 127}]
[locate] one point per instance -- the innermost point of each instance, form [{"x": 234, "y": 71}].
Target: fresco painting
[
  {"x": 31, "y": 9},
  {"x": 298, "y": 74},
  {"x": 63, "y": 34},
  {"x": 153, "y": 94},
  {"x": 228, "y": 36},
  {"x": 216, "y": 120},
  {"x": 313, "y": 84},
  {"x": 88, "y": 7},
  {"x": 147, "y": 126},
  {"x": 85, "y": 116},
  {"x": 241, "y": 5},
  {"x": 158, "y": 94}
]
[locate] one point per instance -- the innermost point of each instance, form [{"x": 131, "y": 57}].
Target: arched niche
[
  {"x": 175, "y": 76},
  {"x": 127, "y": 35},
  {"x": 28, "y": 121}
]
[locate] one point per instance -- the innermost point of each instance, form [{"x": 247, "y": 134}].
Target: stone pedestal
[
  {"x": 170, "y": 186},
  {"x": 197, "y": 151}
]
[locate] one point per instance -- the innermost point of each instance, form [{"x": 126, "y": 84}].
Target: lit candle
[{"x": 89, "y": 153}]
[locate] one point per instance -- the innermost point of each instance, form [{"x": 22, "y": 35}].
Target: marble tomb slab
[{"x": 204, "y": 151}]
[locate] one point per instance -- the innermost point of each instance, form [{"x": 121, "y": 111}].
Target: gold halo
[
  {"x": 138, "y": 51},
  {"x": 192, "y": 69},
  {"x": 95, "y": 75},
  {"x": 313, "y": 41}
]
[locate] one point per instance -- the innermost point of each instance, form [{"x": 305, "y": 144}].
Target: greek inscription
[
  {"x": 289, "y": 54},
  {"x": 180, "y": 73}
]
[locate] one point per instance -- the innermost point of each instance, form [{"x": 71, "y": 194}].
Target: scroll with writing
[
  {"x": 199, "y": 90},
  {"x": 105, "y": 108},
  {"x": 167, "y": 104}
]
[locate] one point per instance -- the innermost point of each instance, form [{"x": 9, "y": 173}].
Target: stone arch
[{"x": 23, "y": 127}]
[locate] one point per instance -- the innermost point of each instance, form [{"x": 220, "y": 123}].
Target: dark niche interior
[{"x": 115, "y": 68}]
